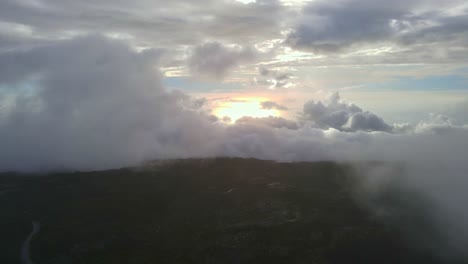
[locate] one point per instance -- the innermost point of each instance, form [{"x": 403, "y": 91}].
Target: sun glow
[{"x": 240, "y": 107}]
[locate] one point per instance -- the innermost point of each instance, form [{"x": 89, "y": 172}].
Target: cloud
[
  {"x": 459, "y": 112},
  {"x": 215, "y": 60},
  {"x": 332, "y": 26},
  {"x": 271, "y": 121},
  {"x": 342, "y": 116},
  {"x": 92, "y": 103},
  {"x": 435, "y": 124},
  {"x": 273, "y": 105},
  {"x": 367, "y": 32},
  {"x": 275, "y": 79},
  {"x": 69, "y": 100},
  {"x": 423, "y": 29},
  {"x": 179, "y": 23}
]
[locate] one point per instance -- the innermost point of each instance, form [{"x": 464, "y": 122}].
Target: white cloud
[
  {"x": 96, "y": 103},
  {"x": 343, "y": 116}
]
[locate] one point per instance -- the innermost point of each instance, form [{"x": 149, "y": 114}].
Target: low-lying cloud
[
  {"x": 90, "y": 103},
  {"x": 95, "y": 103},
  {"x": 343, "y": 116}
]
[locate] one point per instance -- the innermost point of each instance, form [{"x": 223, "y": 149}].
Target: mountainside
[{"x": 212, "y": 211}]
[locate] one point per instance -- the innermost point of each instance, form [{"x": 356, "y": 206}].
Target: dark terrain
[{"x": 214, "y": 211}]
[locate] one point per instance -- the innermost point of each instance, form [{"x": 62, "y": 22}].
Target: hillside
[{"x": 212, "y": 211}]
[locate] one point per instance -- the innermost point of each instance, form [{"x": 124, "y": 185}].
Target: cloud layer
[
  {"x": 333, "y": 26},
  {"x": 343, "y": 116},
  {"x": 89, "y": 103},
  {"x": 93, "y": 102}
]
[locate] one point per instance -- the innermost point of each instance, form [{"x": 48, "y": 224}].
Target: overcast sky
[{"x": 227, "y": 45}]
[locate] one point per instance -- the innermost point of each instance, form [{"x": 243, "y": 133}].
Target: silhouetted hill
[{"x": 207, "y": 211}]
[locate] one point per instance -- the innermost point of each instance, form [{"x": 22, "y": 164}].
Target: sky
[{"x": 100, "y": 84}]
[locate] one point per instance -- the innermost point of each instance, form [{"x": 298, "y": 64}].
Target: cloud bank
[
  {"x": 90, "y": 103},
  {"x": 95, "y": 103},
  {"x": 343, "y": 116}
]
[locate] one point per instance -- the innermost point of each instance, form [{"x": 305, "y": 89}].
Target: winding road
[{"x": 25, "y": 258}]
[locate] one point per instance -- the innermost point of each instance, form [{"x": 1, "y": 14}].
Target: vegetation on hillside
[{"x": 214, "y": 211}]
